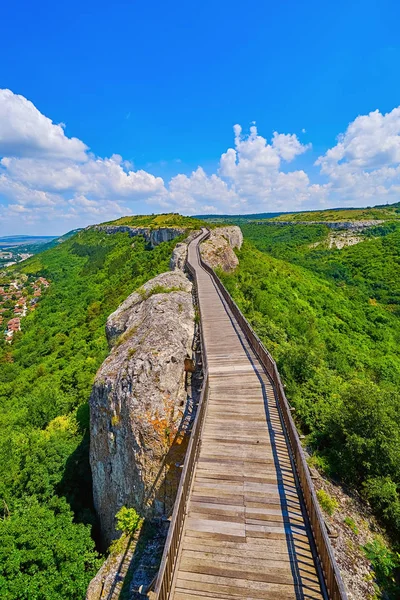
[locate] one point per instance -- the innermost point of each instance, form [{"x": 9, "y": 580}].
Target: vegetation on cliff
[
  {"x": 46, "y": 375},
  {"x": 157, "y": 221}
]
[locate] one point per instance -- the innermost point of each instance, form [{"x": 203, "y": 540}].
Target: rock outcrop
[
  {"x": 131, "y": 566},
  {"x": 152, "y": 236},
  {"x": 217, "y": 251},
  {"x": 138, "y": 401},
  {"x": 179, "y": 253},
  {"x": 125, "y": 317},
  {"x": 178, "y": 257}
]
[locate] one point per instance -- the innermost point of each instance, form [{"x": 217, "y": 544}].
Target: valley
[{"x": 328, "y": 313}]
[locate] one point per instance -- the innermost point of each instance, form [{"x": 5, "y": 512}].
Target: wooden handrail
[{"x": 333, "y": 580}]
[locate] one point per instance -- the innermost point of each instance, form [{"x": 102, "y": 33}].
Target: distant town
[
  {"x": 19, "y": 294},
  {"x": 12, "y": 256}
]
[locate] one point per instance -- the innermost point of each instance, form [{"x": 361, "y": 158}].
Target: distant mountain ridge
[
  {"x": 379, "y": 212},
  {"x": 31, "y": 244},
  {"x": 21, "y": 240}
]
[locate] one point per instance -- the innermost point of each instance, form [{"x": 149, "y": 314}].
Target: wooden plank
[
  {"x": 244, "y": 535},
  {"x": 237, "y": 586}
]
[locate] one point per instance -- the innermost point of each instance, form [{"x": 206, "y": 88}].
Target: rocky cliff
[
  {"x": 217, "y": 251},
  {"x": 139, "y": 409},
  {"x": 179, "y": 253},
  {"x": 152, "y": 236}
]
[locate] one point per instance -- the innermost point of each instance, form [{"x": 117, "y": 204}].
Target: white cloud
[
  {"x": 364, "y": 165},
  {"x": 196, "y": 189},
  {"x": 24, "y": 131},
  {"x": 97, "y": 176},
  {"x": 370, "y": 141},
  {"x": 288, "y": 145},
  {"x": 46, "y": 175},
  {"x": 253, "y": 168},
  {"x": 48, "y": 178},
  {"x": 91, "y": 207}
]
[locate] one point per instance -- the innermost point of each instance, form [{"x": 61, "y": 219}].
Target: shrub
[
  {"x": 385, "y": 564},
  {"x": 319, "y": 462},
  {"x": 128, "y": 520},
  {"x": 328, "y": 504},
  {"x": 382, "y": 493}
]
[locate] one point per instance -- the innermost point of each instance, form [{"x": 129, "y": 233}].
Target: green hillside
[
  {"x": 385, "y": 212},
  {"x": 331, "y": 319},
  {"x": 46, "y": 548},
  {"x": 36, "y": 248}
]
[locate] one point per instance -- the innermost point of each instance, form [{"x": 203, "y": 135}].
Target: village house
[{"x": 13, "y": 325}]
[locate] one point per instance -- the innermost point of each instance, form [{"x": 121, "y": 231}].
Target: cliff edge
[
  {"x": 139, "y": 406},
  {"x": 139, "y": 402}
]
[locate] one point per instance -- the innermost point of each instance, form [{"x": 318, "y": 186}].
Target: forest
[
  {"x": 48, "y": 527},
  {"x": 331, "y": 319}
]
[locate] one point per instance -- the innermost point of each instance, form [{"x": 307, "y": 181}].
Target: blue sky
[{"x": 162, "y": 85}]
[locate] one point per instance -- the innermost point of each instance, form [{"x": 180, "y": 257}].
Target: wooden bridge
[{"x": 246, "y": 523}]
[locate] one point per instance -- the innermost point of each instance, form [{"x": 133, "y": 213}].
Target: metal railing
[{"x": 333, "y": 580}]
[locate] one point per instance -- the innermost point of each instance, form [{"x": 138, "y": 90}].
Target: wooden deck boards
[{"x": 245, "y": 536}]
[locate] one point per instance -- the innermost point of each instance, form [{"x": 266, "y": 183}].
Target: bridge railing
[
  {"x": 165, "y": 576},
  {"x": 333, "y": 580}
]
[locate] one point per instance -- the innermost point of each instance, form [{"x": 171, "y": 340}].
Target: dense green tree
[
  {"x": 44, "y": 555},
  {"x": 46, "y": 374},
  {"x": 331, "y": 320}
]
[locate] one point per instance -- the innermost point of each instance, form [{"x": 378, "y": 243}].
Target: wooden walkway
[{"x": 245, "y": 535}]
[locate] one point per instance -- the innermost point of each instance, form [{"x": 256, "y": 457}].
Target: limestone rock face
[
  {"x": 179, "y": 253},
  {"x": 178, "y": 257},
  {"x": 125, "y": 316},
  {"x": 217, "y": 251},
  {"x": 152, "y": 236},
  {"x": 138, "y": 401}
]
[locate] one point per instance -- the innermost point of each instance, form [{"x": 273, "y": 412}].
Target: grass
[
  {"x": 158, "y": 289},
  {"x": 115, "y": 420},
  {"x": 351, "y": 524},
  {"x": 157, "y": 221}
]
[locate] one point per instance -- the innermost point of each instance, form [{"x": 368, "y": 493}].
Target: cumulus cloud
[
  {"x": 288, "y": 146},
  {"x": 44, "y": 174},
  {"x": 24, "y": 131},
  {"x": 253, "y": 167},
  {"x": 97, "y": 176},
  {"x": 364, "y": 165},
  {"x": 198, "y": 188},
  {"x": 370, "y": 142},
  {"x": 47, "y": 177}
]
